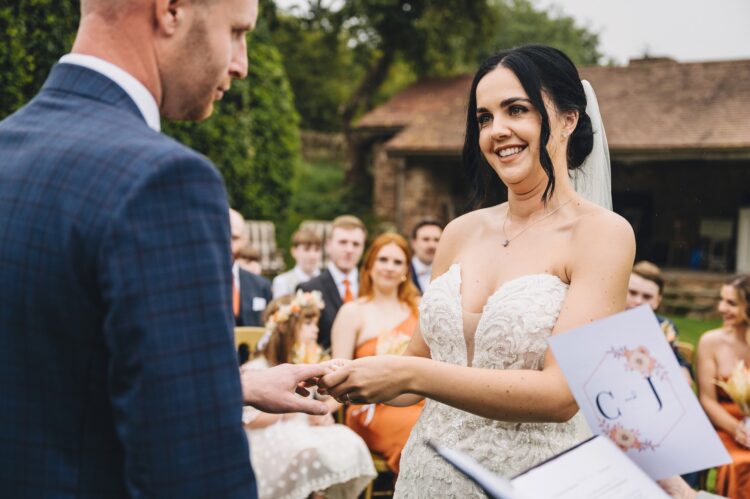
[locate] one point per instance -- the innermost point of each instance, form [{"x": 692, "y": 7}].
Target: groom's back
[{"x": 94, "y": 352}]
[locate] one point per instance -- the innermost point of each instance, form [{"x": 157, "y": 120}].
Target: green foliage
[
  {"x": 253, "y": 136},
  {"x": 345, "y": 59},
  {"x": 35, "y": 34},
  {"x": 521, "y": 23}
]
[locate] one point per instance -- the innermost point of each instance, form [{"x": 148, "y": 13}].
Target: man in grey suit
[{"x": 117, "y": 366}]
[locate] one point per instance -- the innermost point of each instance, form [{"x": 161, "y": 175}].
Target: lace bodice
[{"x": 511, "y": 334}]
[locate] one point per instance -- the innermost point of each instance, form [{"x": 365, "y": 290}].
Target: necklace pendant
[{"x": 506, "y": 243}]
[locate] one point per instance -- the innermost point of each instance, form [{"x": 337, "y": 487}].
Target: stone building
[{"x": 679, "y": 138}]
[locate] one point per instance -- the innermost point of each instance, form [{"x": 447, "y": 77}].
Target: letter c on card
[{"x": 599, "y": 397}]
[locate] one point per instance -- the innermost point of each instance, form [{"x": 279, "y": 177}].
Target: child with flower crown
[{"x": 295, "y": 455}]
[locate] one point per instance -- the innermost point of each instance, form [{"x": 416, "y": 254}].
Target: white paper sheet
[
  {"x": 629, "y": 386},
  {"x": 596, "y": 469}
]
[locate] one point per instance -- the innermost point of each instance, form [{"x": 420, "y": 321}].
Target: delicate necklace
[{"x": 508, "y": 240}]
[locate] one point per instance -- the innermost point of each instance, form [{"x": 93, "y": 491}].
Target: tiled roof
[{"x": 652, "y": 105}]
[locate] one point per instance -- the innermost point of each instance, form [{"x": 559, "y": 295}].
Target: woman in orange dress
[
  {"x": 380, "y": 322},
  {"x": 719, "y": 351}
]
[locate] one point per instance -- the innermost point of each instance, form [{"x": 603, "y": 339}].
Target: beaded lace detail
[{"x": 511, "y": 334}]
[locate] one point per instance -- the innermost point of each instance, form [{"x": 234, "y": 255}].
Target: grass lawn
[{"x": 692, "y": 329}]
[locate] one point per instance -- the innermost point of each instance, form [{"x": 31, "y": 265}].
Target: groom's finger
[
  {"x": 309, "y": 406},
  {"x": 307, "y": 372}
]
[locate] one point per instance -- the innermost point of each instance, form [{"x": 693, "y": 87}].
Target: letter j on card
[{"x": 627, "y": 382}]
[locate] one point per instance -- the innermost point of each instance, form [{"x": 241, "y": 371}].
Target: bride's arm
[
  {"x": 417, "y": 348},
  {"x": 603, "y": 252}
]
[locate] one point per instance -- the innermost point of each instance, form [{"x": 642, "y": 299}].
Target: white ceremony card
[
  {"x": 627, "y": 382},
  {"x": 594, "y": 469}
]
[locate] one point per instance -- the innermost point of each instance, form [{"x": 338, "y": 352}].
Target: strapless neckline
[
  {"x": 454, "y": 272},
  {"x": 508, "y": 283}
]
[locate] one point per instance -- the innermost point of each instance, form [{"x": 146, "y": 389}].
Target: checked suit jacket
[{"x": 117, "y": 368}]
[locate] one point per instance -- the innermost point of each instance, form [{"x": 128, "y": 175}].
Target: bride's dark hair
[{"x": 540, "y": 69}]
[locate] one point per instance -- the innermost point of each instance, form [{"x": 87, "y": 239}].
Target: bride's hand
[{"x": 367, "y": 380}]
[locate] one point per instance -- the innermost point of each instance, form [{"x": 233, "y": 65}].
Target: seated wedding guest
[
  {"x": 719, "y": 353},
  {"x": 307, "y": 254},
  {"x": 297, "y": 456},
  {"x": 251, "y": 293},
  {"x": 424, "y": 242},
  {"x": 249, "y": 259},
  {"x": 646, "y": 286},
  {"x": 380, "y": 322},
  {"x": 339, "y": 281}
]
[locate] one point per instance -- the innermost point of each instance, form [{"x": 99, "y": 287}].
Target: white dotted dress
[{"x": 292, "y": 459}]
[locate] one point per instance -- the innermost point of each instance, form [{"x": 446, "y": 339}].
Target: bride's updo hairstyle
[{"x": 541, "y": 70}]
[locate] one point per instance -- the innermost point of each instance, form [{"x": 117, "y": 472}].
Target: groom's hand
[{"x": 276, "y": 390}]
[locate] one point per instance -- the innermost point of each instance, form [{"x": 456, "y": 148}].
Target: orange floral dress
[
  {"x": 385, "y": 429},
  {"x": 733, "y": 480}
]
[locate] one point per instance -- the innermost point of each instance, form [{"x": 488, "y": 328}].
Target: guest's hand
[
  {"x": 326, "y": 420},
  {"x": 278, "y": 389},
  {"x": 677, "y": 488},
  {"x": 742, "y": 435},
  {"x": 367, "y": 380}
]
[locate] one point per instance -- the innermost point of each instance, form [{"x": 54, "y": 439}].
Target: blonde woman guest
[
  {"x": 718, "y": 353},
  {"x": 380, "y": 322},
  {"x": 296, "y": 455}
]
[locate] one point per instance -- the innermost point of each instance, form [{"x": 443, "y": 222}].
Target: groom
[{"x": 117, "y": 368}]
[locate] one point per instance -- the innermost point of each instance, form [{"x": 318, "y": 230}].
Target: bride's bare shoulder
[
  {"x": 601, "y": 235},
  {"x": 469, "y": 224},
  {"x": 458, "y": 232},
  {"x": 593, "y": 219}
]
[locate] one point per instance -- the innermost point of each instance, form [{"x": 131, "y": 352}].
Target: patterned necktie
[{"x": 348, "y": 296}]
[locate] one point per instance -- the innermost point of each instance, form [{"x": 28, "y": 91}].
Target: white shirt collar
[
  {"x": 420, "y": 267},
  {"x": 301, "y": 276},
  {"x": 339, "y": 276},
  {"x": 236, "y": 274},
  {"x": 135, "y": 89}
]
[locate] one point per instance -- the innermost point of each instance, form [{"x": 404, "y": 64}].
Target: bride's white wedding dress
[{"x": 510, "y": 333}]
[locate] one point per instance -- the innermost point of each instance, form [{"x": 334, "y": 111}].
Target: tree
[
  {"x": 253, "y": 137},
  {"x": 346, "y": 57},
  {"x": 35, "y": 34},
  {"x": 521, "y": 23}
]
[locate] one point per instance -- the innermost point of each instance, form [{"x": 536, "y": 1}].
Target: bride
[{"x": 505, "y": 278}]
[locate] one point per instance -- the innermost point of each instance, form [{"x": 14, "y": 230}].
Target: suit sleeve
[
  {"x": 267, "y": 291},
  {"x": 173, "y": 375}
]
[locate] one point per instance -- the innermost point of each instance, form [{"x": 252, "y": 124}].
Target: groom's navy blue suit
[{"x": 118, "y": 375}]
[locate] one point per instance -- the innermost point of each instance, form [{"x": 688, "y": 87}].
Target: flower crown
[{"x": 302, "y": 300}]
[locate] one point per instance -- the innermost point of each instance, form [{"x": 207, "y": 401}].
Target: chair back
[
  {"x": 263, "y": 238},
  {"x": 248, "y": 336}
]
